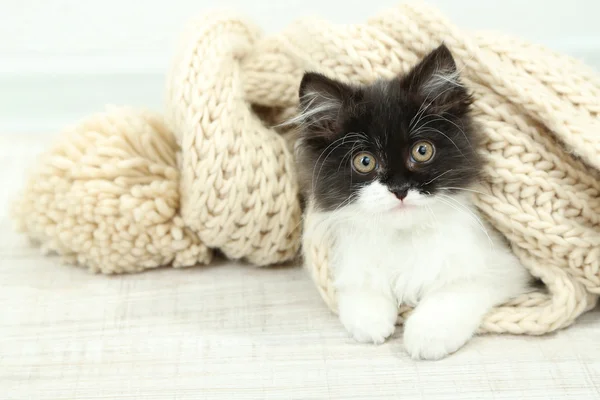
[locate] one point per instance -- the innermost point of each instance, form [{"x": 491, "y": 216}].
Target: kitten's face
[{"x": 390, "y": 147}]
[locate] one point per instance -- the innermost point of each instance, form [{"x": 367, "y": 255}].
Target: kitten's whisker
[
  {"x": 348, "y": 154},
  {"x": 443, "y": 134},
  {"x": 442, "y": 174},
  {"x": 457, "y": 127},
  {"x": 351, "y": 151},
  {"x": 439, "y": 117},
  {"x": 466, "y": 190},
  {"x": 343, "y": 204},
  {"x": 325, "y": 159},
  {"x": 333, "y": 218},
  {"x": 428, "y": 104},
  {"x": 301, "y": 222},
  {"x": 475, "y": 219},
  {"x": 334, "y": 214},
  {"x": 319, "y": 158},
  {"x": 465, "y": 209},
  {"x": 435, "y": 220},
  {"x": 459, "y": 204},
  {"x": 422, "y": 108},
  {"x": 349, "y": 135}
]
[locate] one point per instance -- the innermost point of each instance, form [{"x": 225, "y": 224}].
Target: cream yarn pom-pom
[{"x": 106, "y": 196}]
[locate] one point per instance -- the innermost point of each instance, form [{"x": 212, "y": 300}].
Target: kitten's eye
[
  {"x": 364, "y": 162},
  {"x": 422, "y": 151}
]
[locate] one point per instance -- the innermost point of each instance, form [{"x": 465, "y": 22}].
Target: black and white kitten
[{"x": 388, "y": 169}]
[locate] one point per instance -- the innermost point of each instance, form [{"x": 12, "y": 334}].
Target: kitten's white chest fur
[
  {"x": 435, "y": 255},
  {"x": 410, "y": 262}
]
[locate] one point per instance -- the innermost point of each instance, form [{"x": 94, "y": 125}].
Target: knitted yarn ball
[
  {"x": 124, "y": 191},
  {"x": 106, "y": 196}
]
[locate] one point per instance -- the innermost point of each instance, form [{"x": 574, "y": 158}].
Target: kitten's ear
[
  {"x": 322, "y": 104},
  {"x": 436, "y": 79}
]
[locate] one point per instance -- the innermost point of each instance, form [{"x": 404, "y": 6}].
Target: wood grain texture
[{"x": 232, "y": 331}]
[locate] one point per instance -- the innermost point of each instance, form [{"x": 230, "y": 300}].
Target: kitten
[{"x": 388, "y": 169}]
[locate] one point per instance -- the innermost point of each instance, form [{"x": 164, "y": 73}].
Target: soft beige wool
[
  {"x": 113, "y": 196},
  {"x": 106, "y": 196}
]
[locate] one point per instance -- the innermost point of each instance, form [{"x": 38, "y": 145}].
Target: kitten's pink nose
[{"x": 400, "y": 193}]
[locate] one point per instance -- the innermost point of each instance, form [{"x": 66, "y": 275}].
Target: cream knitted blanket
[{"x": 127, "y": 190}]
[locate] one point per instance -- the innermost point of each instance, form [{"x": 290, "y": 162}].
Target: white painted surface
[
  {"x": 62, "y": 59},
  {"x": 233, "y": 332}
]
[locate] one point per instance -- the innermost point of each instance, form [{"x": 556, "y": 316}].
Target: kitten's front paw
[
  {"x": 368, "y": 316},
  {"x": 428, "y": 336}
]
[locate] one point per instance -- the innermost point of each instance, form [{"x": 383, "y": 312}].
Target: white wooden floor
[{"x": 235, "y": 332}]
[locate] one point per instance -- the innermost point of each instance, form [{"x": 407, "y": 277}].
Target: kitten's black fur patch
[{"x": 386, "y": 118}]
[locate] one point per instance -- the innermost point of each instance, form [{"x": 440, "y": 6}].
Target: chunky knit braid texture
[{"x": 128, "y": 190}]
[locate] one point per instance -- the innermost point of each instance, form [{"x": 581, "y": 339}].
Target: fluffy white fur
[
  {"x": 318, "y": 107},
  {"x": 432, "y": 252}
]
